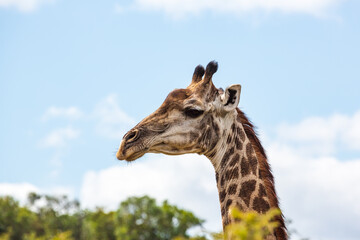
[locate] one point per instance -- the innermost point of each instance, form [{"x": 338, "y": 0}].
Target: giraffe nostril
[{"x": 132, "y": 136}]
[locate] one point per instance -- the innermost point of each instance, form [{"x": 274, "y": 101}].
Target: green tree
[
  {"x": 56, "y": 216},
  {"x": 141, "y": 218},
  {"x": 15, "y": 221},
  {"x": 99, "y": 225},
  {"x": 48, "y": 217}
]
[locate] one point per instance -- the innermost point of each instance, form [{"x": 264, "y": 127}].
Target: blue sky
[{"x": 74, "y": 76}]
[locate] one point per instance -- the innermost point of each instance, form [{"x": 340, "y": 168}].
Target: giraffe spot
[
  {"x": 242, "y": 135},
  {"x": 246, "y": 190},
  {"x": 232, "y": 174},
  {"x": 260, "y": 205},
  {"x": 212, "y": 133},
  {"x": 238, "y": 130},
  {"x": 260, "y": 174},
  {"x": 207, "y": 138},
  {"x": 232, "y": 189},
  {"x": 233, "y": 128},
  {"x": 226, "y": 157},
  {"x": 217, "y": 177},
  {"x": 222, "y": 180},
  {"x": 228, "y": 203},
  {"x": 244, "y": 167},
  {"x": 238, "y": 118},
  {"x": 224, "y": 215},
  {"x": 238, "y": 144},
  {"x": 234, "y": 160},
  {"x": 249, "y": 150},
  {"x": 226, "y": 220},
  {"x": 223, "y": 211},
  {"x": 262, "y": 191},
  {"x": 222, "y": 195},
  {"x": 228, "y": 141},
  {"x": 253, "y": 164},
  {"x": 216, "y": 128}
]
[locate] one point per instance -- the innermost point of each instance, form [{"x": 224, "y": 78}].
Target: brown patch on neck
[{"x": 265, "y": 172}]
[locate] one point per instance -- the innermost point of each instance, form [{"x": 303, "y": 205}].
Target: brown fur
[{"x": 265, "y": 173}]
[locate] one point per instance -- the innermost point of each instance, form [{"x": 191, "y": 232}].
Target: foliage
[
  {"x": 48, "y": 217},
  {"x": 99, "y": 225},
  {"x": 141, "y": 218},
  {"x": 249, "y": 225},
  {"x": 14, "y": 220}
]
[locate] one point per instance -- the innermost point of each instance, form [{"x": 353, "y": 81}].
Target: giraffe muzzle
[
  {"x": 132, "y": 136},
  {"x": 129, "y": 150}
]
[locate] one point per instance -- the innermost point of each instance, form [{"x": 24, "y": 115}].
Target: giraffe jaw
[
  {"x": 133, "y": 153},
  {"x": 134, "y": 156},
  {"x": 172, "y": 149}
]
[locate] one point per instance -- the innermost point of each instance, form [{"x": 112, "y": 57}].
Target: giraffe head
[{"x": 190, "y": 120}]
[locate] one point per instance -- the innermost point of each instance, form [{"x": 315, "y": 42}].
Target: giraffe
[{"x": 205, "y": 120}]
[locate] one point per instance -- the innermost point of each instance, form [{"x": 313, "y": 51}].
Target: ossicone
[
  {"x": 211, "y": 68},
  {"x": 198, "y": 74}
]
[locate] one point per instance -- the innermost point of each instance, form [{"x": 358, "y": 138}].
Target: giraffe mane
[{"x": 265, "y": 171}]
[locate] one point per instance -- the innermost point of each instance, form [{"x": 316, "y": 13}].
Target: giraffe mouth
[
  {"x": 130, "y": 153},
  {"x": 135, "y": 156},
  {"x": 130, "y": 156}
]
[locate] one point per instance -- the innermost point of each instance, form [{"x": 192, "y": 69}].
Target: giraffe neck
[{"x": 241, "y": 180}]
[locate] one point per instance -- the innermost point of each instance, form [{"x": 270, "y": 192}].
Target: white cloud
[
  {"x": 180, "y": 8},
  {"x": 188, "y": 181},
  {"x": 58, "y": 138},
  {"x": 112, "y": 121},
  {"x": 71, "y": 113},
  {"x": 324, "y": 135},
  {"x": 107, "y": 119},
  {"x": 319, "y": 193},
  {"x": 319, "y": 190},
  {"x": 20, "y": 191},
  {"x": 23, "y": 5}
]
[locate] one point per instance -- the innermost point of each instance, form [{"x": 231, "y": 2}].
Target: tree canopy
[
  {"x": 58, "y": 218},
  {"x": 46, "y": 217}
]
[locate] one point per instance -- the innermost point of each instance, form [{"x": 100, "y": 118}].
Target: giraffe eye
[{"x": 193, "y": 113}]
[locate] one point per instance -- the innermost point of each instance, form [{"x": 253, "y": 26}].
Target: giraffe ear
[{"x": 231, "y": 97}]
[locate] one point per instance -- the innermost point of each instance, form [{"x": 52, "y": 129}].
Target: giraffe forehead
[
  {"x": 178, "y": 94},
  {"x": 174, "y": 100},
  {"x": 182, "y": 98},
  {"x": 179, "y": 99}
]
